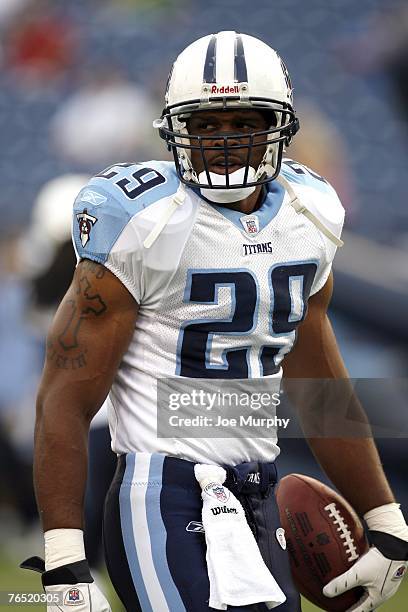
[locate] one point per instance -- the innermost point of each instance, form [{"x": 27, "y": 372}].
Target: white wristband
[
  {"x": 63, "y": 546},
  {"x": 388, "y": 519}
]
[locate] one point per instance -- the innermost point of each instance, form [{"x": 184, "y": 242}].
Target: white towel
[{"x": 237, "y": 573}]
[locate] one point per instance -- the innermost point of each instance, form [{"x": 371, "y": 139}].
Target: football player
[{"x": 205, "y": 268}]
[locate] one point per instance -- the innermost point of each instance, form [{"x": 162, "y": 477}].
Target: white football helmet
[{"x": 228, "y": 71}]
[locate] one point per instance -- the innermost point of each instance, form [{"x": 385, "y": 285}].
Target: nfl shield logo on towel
[{"x": 217, "y": 491}]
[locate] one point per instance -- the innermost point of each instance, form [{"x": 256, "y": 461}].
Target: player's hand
[
  {"x": 72, "y": 585},
  {"x": 84, "y": 597},
  {"x": 379, "y": 575}
]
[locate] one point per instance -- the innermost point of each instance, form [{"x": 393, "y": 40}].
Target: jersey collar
[{"x": 272, "y": 197}]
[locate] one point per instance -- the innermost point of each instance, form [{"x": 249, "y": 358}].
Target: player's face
[{"x": 213, "y": 125}]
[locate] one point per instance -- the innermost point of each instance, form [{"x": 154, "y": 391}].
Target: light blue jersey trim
[
  {"x": 268, "y": 210},
  {"x": 128, "y": 535},
  {"x": 125, "y": 176},
  {"x": 158, "y": 534},
  {"x": 96, "y": 227},
  {"x": 297, "y": 173},
  {"x": 105, "y": 205}
]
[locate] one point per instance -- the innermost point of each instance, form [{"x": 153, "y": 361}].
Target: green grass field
[{"x": 14, "y": 579}]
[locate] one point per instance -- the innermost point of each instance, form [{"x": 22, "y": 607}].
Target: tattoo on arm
[
  {"x": 94, "y": 268},
  {"x": 92, "y": 305},
  {"x": 64, "y": 362}
]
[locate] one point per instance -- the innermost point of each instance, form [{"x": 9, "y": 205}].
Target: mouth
[{"x": 219, "y": 166}]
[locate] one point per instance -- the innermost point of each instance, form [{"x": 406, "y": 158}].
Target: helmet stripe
[
  {"x": 209, "y": 75},
  {"x": 240, "y": 67}
]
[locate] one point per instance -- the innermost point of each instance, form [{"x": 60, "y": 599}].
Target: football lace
[{"x": 345, "y": 533}]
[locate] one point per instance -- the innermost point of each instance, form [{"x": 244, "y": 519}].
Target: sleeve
[
  {"x": 102, "y": 232},
  {"x": 330, "y": 212}
]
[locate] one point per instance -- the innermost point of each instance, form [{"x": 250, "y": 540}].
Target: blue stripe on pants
[
  {"x": 128, "y": 535},
  {"x": 158, "y": 535}
]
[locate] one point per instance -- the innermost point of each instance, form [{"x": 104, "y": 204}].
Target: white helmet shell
[
  {"x": 225, "y": 65},
  {"x": 223, "y": 71}
]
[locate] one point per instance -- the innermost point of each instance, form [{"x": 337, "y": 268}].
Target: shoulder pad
[
  {"x": 300, "y": 174},
  {"x": 317, "y": 195},
  {"x": 137, "y": 185},
  {"x": 105, "y": 205}
]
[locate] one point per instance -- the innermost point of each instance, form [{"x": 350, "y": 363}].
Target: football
[{"x": 324, "y": 538}]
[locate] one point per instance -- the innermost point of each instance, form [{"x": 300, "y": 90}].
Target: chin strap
[
  {"x": 178, "y": 200},
  {"x": 301, "y": 208}
]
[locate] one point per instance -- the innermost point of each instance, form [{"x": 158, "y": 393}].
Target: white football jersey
[{"x": 221, "y": 293}]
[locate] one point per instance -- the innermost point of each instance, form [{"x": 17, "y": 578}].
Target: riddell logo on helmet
[{"x": 224, "y": 89}]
